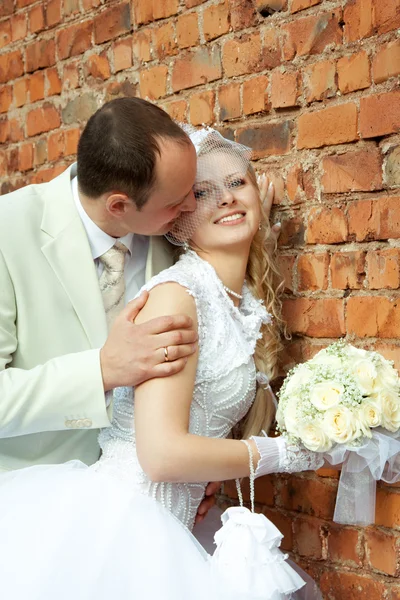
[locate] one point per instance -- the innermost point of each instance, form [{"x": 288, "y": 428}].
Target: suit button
[
  {"x": 87, "y": 422},
  {"x": 79, "y": 423},
  {"x": 73, "y": 423},
  {"x": 68, "y": 423}
]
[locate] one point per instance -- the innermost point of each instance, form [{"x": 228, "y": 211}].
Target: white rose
[
  {"x": 369, "y": 415},
  {"x": 340, "y": 425},
  {"x": 386, "y": 377},
  {"x": 314, "y": 437},
  {"x": 326, "y": 394},
  {"x": 390, "y": 404},
  {"x": 357, "y": 353},
  {"x": 364, "y": 372},
  {"x": 329, "y": 360},
  {"x": 290, "y": 417},
  {"x": 301, "y": 376}
]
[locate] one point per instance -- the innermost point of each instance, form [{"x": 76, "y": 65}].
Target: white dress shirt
[{"x": 100, "y": 242}]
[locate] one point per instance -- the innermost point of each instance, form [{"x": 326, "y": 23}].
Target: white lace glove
[{"x": 278, "y": 456}]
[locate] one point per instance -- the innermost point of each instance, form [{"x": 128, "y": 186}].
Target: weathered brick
[
  {"x": 298, "y": 5},
  {"x": 53, "y": 12},
  {"x": 6, "y": 96},
  {"x": 352, "y": 172},
  {"x": 42, "y": 119},
  {"x": 71, "y": 141},
  {"x": 387, "y": 508},
  {"x": 70, "y": 7},
  {"x": 373, "y": 316},
  {"x": 74, "y": 40},
  {"x": 332, "y": 125},
  {"x": 36, "y": 86},
  {"x": 121, "y": 89},
  {"x": 307, "y": 537},
  {"x": 216, "y": 20},
  {"x": 111, "y": 23},
  {"x": 141, "y": 46},
  {"x": 353, "y": 72},
  {"x": 284, "y": 525},
  {"x": 271, "y": 48},
  {"x": 311, "y": 35},
  {"x": 375, "y": 219},
  {"x": 164, "y": 9},
  {"x": 20, "y": 92},
  {"x": 300, "y": 184},
  {"x": 268, "y": 139},
  {"x": 55, "y": 145},
  {"x": 284, "y": 89},
  {"x": 229, "y": 101},
  {"x": 40, "y": 54},
  {"x": 319, "y": 318},
  {"x": 383, "y": 268},
  {"x": 25, "y": 157},
  {"x": 202, "y": 108},
  {"x": 337, "y": 584},
  {"x": 53, "y": 82},
  {"x": 11, "y": 66},
  {"x": 70, "y": 79},
  {"x": 187, "y": 30},
  {"x": 164, "y": 40},
  {"x": 143, "y": 10},
  {"x": 177, "y": 110},
  {"x": 153, "y": 82},
  {"x": 392, "y": 167},
  {"x": 386, "y": 62},
  {"x": 36, "y": 19},
  {"x": 5, "y": 33},
  {"x": 242, "y": 13},
  {"x": 387, "y": 106},
  {"x": 97, "y": 66},
  {"x": 198, "y": 67},
  {"x": 319, "y": 80},
  {"x": 310, "y": 496},
  {"x": 255, "y": 95},
  {"x": 286, "y": 264},
  {"x": 312, "y": 270},
  {"x": 6, "y": 8},
  {"x": 344, "y": 545},
  {"x": 244, "y": 55},
  {"x": 358, "y": 20},
  {"x": 347, "y": 270},
  {"x": 122, "y": 55},
  {"x": 386, "y": 15},
  {"x": 382, "y": 552},
  {"x": 327, "y": 226},
  {"x": 80, "y": 109},
  {"x": 292, "y": 232}
]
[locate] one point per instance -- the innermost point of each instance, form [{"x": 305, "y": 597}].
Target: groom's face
[{"x": 171, "y": 194}]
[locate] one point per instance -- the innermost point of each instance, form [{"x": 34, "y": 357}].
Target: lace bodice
[{"x": 224, "y": 386}]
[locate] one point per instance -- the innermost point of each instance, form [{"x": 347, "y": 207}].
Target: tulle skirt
[{"x": 70, "y": 532}]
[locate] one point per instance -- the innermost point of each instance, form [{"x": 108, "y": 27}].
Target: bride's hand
[
  {"x": 267, "y": 193},
  {"x": 208, "y": 500}
]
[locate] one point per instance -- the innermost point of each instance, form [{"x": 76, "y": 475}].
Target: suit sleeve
[{"x": 66, "y": 392}]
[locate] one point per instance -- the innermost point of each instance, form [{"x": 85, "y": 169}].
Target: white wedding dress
[{"x": 106, "y": 531}]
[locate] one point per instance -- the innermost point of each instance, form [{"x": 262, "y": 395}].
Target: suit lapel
[{"x": 68, "y": 253}]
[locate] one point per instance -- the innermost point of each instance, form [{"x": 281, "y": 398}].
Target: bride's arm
[{"x": 166, "y": 450}]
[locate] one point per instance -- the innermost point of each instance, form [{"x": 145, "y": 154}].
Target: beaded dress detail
[{"x": 224, "y": 388}]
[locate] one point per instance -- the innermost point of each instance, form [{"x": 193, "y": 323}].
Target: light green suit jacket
[{"x": 52, "y": 325}]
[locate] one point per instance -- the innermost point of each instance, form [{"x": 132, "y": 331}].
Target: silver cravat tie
[{"x": 112, "y": 282}]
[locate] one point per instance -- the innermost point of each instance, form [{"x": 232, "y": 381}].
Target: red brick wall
[{"x": 312, "y": 86}]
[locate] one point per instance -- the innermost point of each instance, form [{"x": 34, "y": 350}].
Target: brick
[
  {"x": 55, "y": 146},
  {"x": 320, "y": 80},
  {"x": 347, "y": 270},
  {"x": 319, "y": 318},
  {"x": 111, "y": 23},
  {"x": 5, "y": 33},
  {"x": 292, "y": 232},
  {"x": 358, "y": 20},
  {"x": 244, "y": 55},
  {"x": 53, "y": 12},
  {"x": 164, "y": 40},
  {"x": 12, "y": 159},
  {"x": 307, "y": 538},
  {"x": 97, "y": 66},
  {"x": 327, "y": 226},
  {"x": 20, "y": 92},
  {"x": 329, "y": 126},
  {"x": 177, "y": 110},
  {"x": 216, "y": 20},
  {"x": 387, "y": 106},
  {"x": 187, "y": 30},
  {"x": 311, "y": 35},
  {"x": 23, "y": 3},
  {"x": 36, "y": 19},
  {"x": 164, "y": 9},
  {"x": 267, "y": 140},
  {"x": 229, "y": 101},
  {"x": 255, "y": 95},
  {"x": 351, "y": 586},
  {"x": 312, "y": 270},
  {"x": 36, "y": 86},
  {"x": 359, "y": 171},
  {"x": 272, "y": 48},
  {"x": 25, "y": 157},
  {"x": 70, "y": 79},
  {"x": 373, "y": 316},
  {"x": 11, "y": 66},
  {"x": 141, "y": 46},
  {"x": 242, "y": 14},
  {"x": 387, "y": 509},
  {"x": 202, "y": 108},
  {"x": 42, "y": 119},
  {"x": 122, "y": 55},
  {"x": 311, "y": 496},
  {"x": 16, "y": 133},
  {"x": 4, "y": 130},
  {"x": 284, "y": 89},
  {"x": 344, "y": 545},
  {"x": 286, "y": 263},
  {"x": 6, "y": 8},
  {"x": 143, "y": 11},
  {"x": 193, "y": 3},
  {"x": 353, "y": 72},
  {"x": 283, "y": 524},
  {"x": 392, "y": 167},
  {"x": 40, "y": 54},
  {"x": 53, "y": 82},
  {"x": 153, "y": 82},
  {"x": 199, "y": 67},
  {"x": 386, "y": 15},
  {"x": 40, "y": 152},
  {"x": 381, "y": 551},
  {"x": 375, "y": 220},
  {"x": 6, "y": 96},
  {"x": 19, "y": 26},
  {"x": 386, "y": 62},
  {"x": 383, "y": 268},
  {"x": 121, "y": 89},
  {"x": 74, "y": 40},
  {"x": 80, "y": 109},
  {"x": 298, "y": 5},
  {"x": 71, "y": 141},
  {"x": 70, "y": 7},
  {"x": 299, "y": 184}
]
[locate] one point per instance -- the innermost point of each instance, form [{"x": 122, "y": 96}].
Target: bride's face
[{"x": 228, "y": 203}]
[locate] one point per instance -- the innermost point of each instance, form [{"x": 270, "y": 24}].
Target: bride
[{"x": 122, "y": 527}]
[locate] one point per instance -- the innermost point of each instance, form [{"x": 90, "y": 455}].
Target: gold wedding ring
[{"x": 166, "y": 359}]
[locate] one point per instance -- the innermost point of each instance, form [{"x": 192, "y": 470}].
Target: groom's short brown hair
[{"x": 118, "y": 148}]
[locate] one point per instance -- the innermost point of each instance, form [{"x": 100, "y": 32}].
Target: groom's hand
[
  {"x": 208, "y": 500},
  {"x": 134, "y": 353}
]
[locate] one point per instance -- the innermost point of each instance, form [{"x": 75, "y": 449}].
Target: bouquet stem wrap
[{"x": 378, "y": 459}]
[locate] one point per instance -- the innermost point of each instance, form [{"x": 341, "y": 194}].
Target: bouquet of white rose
[{"x": 345, "y": 402}]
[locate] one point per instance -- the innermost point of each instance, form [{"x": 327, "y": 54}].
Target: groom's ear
[{"x": 117, "y": 204}]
